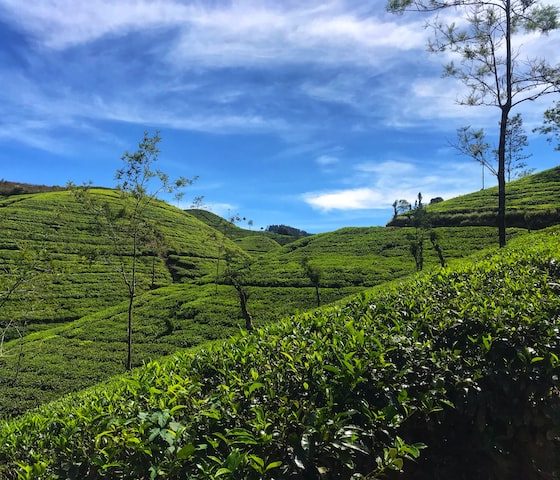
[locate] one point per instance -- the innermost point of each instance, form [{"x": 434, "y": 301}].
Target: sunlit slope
[
  {"x": 86, "y": 276},
  {"x": 235, "y": 232},
  {"x": 531, "y": 202},
  {"x": 50, "y": 363},
  {"x": 466, "y": 356},
  {"x": 365, "y": 256}
]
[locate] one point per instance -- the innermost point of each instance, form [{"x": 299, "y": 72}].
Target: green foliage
[
  {"x": 350, "y": 391},
  {"x": 551, "y": 125},
  {"x": 81, "y": 353},
  {"x": 363, "y": 256},
  {"x": 86, "y": 277}
]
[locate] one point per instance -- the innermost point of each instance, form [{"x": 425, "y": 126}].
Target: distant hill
[
  {"x": 364, "y": 256},
  {"x": 235, "y": 232},
  {"x": 532, "y": 202},
  {"x": 17, "y": 188}
]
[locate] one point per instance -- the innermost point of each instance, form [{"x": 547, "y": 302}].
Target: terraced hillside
[
  {"x": 365, "y": 256},
  {"x": 86, "y": 276},
  {"x": 47, "y": 364},
  {"x": 461, "y": 356},
  {"x": 185, "y": 315},
  {"x": 532, "y": 202}
]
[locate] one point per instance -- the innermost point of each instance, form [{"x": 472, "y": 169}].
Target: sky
[{"x": 315, "y": 114}]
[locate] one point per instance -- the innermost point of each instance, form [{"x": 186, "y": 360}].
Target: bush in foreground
[{"x": 463, "y": 361}]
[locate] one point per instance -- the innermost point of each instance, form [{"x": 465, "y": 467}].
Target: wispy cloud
[
  {"x": 326, "y": 160},
  {"x": 236, "y": 33},
  {"x": 392, "y": 180}
]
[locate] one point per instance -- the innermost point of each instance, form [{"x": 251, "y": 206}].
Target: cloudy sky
[{"x": 316, "y": 114}]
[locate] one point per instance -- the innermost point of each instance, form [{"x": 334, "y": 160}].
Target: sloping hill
[
  {"x": 86, "y": 276},
  {"x": 235, "y": 232},
  {"x": 184, "y": 315},
  {"x": 47, "y": 364},
  {"x": 531, "y": 202},
  {"x": 365, "y": 256},
  {"x": 464, "y": 360}
]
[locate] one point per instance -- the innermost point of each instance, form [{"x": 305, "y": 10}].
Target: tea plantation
[
  {"x": 450, "y": 374},
  {"x": 532, "y": 202},
  {"x": 35, "y": 369},
  {"x": 85, "y": 277},
  {"x": 47, "y": 364}
]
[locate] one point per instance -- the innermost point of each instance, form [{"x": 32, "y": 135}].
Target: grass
[{"x": 449, "y": 360}]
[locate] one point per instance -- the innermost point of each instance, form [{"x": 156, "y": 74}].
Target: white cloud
[
  {"x": 350, "y": 199},
  {"x": 326, "y": 160},
  {"x": 226, "y": 34},
  {"x": 392, "y": 180}
]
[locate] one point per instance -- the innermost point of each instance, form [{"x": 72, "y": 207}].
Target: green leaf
[{"x": 186, "y": 452}]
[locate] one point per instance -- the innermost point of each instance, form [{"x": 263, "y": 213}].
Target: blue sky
[{"x": 316, "y": 114}]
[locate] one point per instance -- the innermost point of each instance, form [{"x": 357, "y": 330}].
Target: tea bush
[{"x": 453, "y": 374}]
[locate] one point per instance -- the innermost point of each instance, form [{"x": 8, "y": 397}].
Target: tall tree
[
  {"x": 489, "y": 64},
  {"x": 126, "y": 219}
]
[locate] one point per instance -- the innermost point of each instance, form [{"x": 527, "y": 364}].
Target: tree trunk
[
  {"x": 243, "y": 297},
  {"x": 317, "y": 295},
  {"x": 129, "y": 332},
  {"x": 502, "y": 180},
  {"x": 505, "y": 108}
]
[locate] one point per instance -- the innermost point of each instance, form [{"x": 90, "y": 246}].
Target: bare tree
[
  {"x": 126, "y": 220},
  {"x": 236, "y": 272},
  {"x": 314, "y": 274}
]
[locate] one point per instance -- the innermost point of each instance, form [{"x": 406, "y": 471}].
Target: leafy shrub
[{"x": 464, "y": 361}]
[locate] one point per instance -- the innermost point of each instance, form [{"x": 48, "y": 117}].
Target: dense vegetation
[
  {"x": 45, "y": 365},
  {"x": 85, "y": 276},
  {"x": 532, "y": 202},
  {"x": 287, "y": 230},
  {"x": 17, "y": 188},
  {"x": 364, "y": 256},
  {"x": 86, "y": 282},
  {"x": 463, "y": 360}
]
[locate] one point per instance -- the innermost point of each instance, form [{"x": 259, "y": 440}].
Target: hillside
[
  {"x": 446, "y": 360},
  {"x": 234, "y": 232},
  {"x": 8, "y": 188},
  {"x": 85, "y": 275},
  {"x": 185, "y": 315},
  {"x": 364, "y": 256},
  {"x": 532, "y": 202},
  {"x": 47, "y": 364}
]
